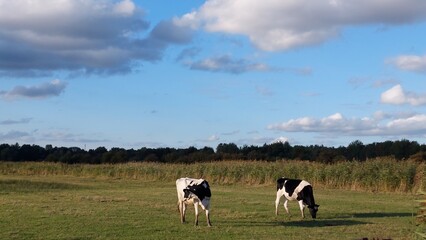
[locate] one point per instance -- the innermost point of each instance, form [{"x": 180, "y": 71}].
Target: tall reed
[{"x": 384, "y": 174}]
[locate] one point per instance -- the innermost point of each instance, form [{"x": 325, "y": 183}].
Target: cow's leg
[
  {"x": 277, "y": 203},
  {"x": 302, "y": 208},
  {"x": 183, "y": 212},
  {"x": 182, "y": 209},
  {"x": 286, "y": 206},
  {"x": 196, "y": 213},
  {"x": 208, "y": 218}
]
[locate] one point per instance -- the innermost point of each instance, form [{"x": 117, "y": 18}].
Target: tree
[
  {"x": 229, "y": 148},
  {"x": 355, "y": 151},
  {"x": 403, "y": 149}
]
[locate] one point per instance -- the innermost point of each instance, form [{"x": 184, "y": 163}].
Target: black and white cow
[
  {"x": 295, "y": 189},
  {"x": 193, "y": 191}
]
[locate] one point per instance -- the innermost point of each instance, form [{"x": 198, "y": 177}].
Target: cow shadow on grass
[
  {"x": 342, "y": 220},
  {"x": 346, "y": 220},
  {"x": 375, "y": 215},
  {"x": 381, "y": 215},
  {"x": 322, "y": 223},
  {"x": 301, "y": 223}
]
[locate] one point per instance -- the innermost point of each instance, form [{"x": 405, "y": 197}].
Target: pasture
[{"x": 77, "y": 207}]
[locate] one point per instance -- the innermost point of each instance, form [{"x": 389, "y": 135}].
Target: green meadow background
[{"x": 376, "y": 199}]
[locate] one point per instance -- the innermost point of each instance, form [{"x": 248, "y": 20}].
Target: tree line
[{"x": 355, "y": 151}]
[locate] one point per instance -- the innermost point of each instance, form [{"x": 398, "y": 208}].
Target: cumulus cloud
[
  {"x": 379, "y": 125},
  {"x": 281, "y": 25},
  {"x": 397, "y": 96},
  {"x": 411, "y": 63},
  {"x": 43, "y": 90},
  {"x": 38, "y": 36},
  {"x": 332, "y": 123}
]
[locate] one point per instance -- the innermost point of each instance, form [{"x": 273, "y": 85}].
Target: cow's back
[{"x": 290, "y": 188}]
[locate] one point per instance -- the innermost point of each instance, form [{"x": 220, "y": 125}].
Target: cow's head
[
  {"x": 187, "y": 194},
  {"x": 313, "y": 210}
]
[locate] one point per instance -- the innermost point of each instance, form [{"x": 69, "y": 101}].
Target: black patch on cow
[
  {"x": 290, "y": 185},
  {"x": 307, "y": 195},
  {"x": 280, "y": 183},
  {"x": 202, "y": 190}
]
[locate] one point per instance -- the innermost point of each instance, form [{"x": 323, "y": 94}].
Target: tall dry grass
[{"x": 384, "y": 174}]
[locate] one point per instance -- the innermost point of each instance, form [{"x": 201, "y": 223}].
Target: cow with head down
[
  {"x": 299, "y": 190},
  {"x": 196, "y": 192}
]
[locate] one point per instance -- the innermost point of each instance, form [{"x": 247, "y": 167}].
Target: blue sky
[{"x": 134, "y": 74}]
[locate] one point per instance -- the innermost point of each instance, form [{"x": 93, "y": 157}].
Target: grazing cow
[
  {"x": 193, "y": 191},
  {"x": 294, "y": 189}
]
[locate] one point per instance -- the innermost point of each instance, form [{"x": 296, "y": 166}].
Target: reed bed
[{"x": 384, "y": 174}]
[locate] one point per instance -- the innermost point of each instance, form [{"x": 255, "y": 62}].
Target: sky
[{"x": 161, "y": 73}]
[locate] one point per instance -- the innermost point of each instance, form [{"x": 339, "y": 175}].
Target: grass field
[{"x": 69, "y": 207}]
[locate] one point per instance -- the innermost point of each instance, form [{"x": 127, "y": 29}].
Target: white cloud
[
  {"x": 410, "y": 63},
  {"x": 381, "y": 124},
  {"x": 125, "y": 7},
  {"x": 280, "y": 140},
  {"x": 280, "y": 25},
  {"x": 332, "y": 123},
  {"x": 413, "y": 125},
  {"x": 396, "y": 95},
  {"x": 213, "y": 138}
]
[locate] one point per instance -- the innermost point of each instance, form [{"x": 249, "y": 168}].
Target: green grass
[{"x": 69, "y": 207}]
